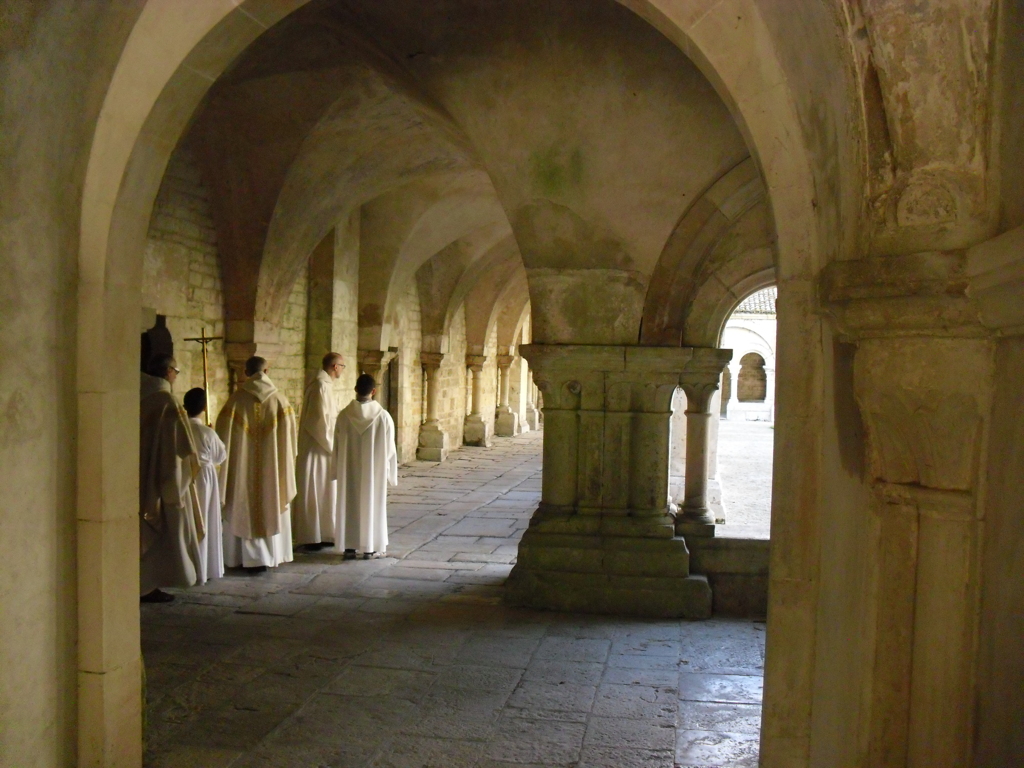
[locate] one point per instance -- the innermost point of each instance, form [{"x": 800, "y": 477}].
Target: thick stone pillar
[
  {"x": 699, "y": 382},
  {"x": 924, "y": 405},
  {"x": 433, "y": 445},
  {"x": 506, "y": 421},
  {"x": 603, "y": 538},
  {"x": 926, "y": 383},
  {"x": 476, "y": 430},
  {"x": 320, "y": 305}
]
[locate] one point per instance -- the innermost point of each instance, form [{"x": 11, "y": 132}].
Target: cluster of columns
[
  {"x": 606, "y": 536},
  {"x": 434, "y": 444}
]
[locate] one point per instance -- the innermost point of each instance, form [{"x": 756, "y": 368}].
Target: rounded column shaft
[
  {"x": 477, "y": 373},
  {"x": 700, "y": 387},
  {"x": 432, "y": 394},
  {"x": 695, "y": 502}
]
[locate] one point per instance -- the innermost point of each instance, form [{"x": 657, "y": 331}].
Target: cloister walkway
[{"x": 413, "y": 661}]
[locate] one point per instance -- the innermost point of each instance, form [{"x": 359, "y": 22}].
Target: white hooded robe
[
  {"x": 313, "y": 508},
  {"x": 211, "y": 455},
  {"x": 367, "y": 463}
]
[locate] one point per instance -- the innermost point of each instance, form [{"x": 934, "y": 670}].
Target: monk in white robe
[
  {"x": 170, "y": 524},
  {"x": 257, "y": 425},
  {"x": 313, "y": 509},
  {"x": 367, "y": 463},
  {"x": 211, "y": 452}
]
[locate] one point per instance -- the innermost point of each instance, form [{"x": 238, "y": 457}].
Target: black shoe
[
  {"x": 350, "y": 554},
  {"x": 369, "y": 555},
  {"x": 157, "y": 596},
  {"x": 255, "y": 570},
  {"x": 313, "y": 547}
]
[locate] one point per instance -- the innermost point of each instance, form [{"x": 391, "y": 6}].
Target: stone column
[
  {"x": 506, "y": 421},
  {"x": 603, "y": 538},
  {"x": 927, "y": 397},
  {"x": 715, "y": 504},
  {"x": 769, "y": 395},
  {"x": 476, "y": 430},
  {"x": 731, "y": 408},
  {"x": 699, "y": 383},
  {"x": 238, "y": 347},
  {"x": 532, "y": 414},
  {"x": 374, "y": 361},
  {"x": 433, "y": 445}
]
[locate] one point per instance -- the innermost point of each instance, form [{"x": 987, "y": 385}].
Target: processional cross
[{"x": 205, "y": 340}]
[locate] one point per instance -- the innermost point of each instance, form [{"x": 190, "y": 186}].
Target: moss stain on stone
[{"x": 556, "y": 170}]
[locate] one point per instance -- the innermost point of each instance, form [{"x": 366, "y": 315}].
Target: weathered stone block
[
  {"x": 688, "y": 597},
  {"x": 433, "y": 445},
  {"x": 638, "y": 575},
  {"x": 476, "y": 431},
  {"x": 506, "y": 423}
]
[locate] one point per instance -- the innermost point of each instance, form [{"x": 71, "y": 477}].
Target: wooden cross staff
[{"x": 205, "y": 340}]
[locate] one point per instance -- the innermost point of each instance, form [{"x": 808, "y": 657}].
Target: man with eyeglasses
[
  {"x": 171, "y": 526},
  {"x": 313, "y": 508}
]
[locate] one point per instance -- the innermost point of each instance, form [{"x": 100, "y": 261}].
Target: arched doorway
[{"x": 166, "y": 67}]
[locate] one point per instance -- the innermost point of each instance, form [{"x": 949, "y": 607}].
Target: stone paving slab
[{"x": 412, "y": 659}]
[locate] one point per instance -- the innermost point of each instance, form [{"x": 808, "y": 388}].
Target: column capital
[
  {"x": 431, "y": 360},
  {"x": 702, "y": 376},
  {"x": 924, "y": 403},
  {"x": 373, "y": 359},
  {"x": 907, "y": 294},
  {"x": 620, "y": 378},
  {"x": 505, "y": 361},
  {"x": 476, "y": 362}
]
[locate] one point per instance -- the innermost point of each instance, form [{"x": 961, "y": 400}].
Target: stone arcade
[{"x": 525, "y": 212}]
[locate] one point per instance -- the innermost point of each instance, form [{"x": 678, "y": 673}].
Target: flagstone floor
[{"x": 412, "y": 661}]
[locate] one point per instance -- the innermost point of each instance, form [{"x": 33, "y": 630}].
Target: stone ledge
[
  {"x": 688, "y": 597},
  {"x": 604, "y": 556},
  {"x": 602, "y": 522},
  {"x": 737, "y": 570},
  {"x": 628, "y": 575}
]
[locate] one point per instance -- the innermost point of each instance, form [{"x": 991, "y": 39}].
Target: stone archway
[{"x": 172, "y": 57}]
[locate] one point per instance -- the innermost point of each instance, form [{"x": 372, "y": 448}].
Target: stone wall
[
  {"x": 345, "y": 313},
  {"x": 181, "y": 276},
  {"x": 288, "y": 369}
]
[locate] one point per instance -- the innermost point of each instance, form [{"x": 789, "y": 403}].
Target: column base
[
  {"x": 532, "y": 416},
  {"x": 506, "y": 423},
  {"x": 476, "y": 431},
  {"x": 433, "y": 445},
  {"x": 593, "y": 572},
  {"x": 686, "y": 527}
]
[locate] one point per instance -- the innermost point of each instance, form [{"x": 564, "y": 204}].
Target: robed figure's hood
[
  {"x": 150, "y": 385},
  {"x": 257, "y": 482},
  {"x": 362, "y": 415},
  {"x": 259, "y": 386}
]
